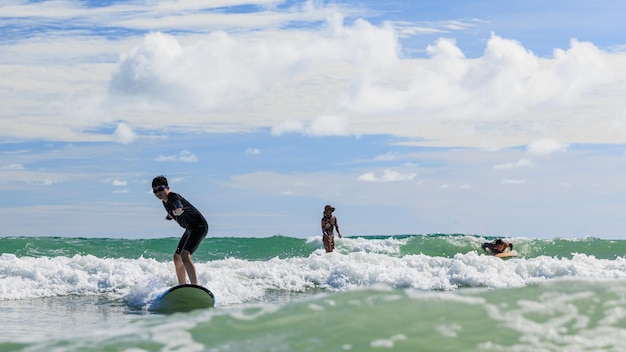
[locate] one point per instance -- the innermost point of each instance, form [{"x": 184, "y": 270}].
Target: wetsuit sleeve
[
  {"x": 176, "y": 203},
  {"x": 191, "y": 217}
]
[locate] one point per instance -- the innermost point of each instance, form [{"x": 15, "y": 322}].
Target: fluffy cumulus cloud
[
  {"x": 335, "y": 76},
  {"x": 124, "y": 133},
  {"x": 210, "y": 74},
  {"x": 356, "y": 72},
  {"x": 223, "y": 69},
  {"x": 507, "y": 79}
]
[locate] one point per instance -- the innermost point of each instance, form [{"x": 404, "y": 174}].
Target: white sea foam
[{"x": 235, "y": 281}]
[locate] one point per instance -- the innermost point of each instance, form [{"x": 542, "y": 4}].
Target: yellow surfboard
[{"x": 506, "y": 255}]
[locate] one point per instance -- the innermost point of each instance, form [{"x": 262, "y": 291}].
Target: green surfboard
[{"x": 183, "y": 298}]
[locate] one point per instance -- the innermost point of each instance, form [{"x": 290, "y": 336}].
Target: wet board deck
[
  {"x": 506, "y": 255},
  {"x": 183, "y": 298}
]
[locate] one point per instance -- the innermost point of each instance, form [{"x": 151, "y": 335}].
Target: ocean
[{"x": 375, "y": 293}]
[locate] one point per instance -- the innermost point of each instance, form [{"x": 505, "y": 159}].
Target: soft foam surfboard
[{"x": 183, "y": 298}]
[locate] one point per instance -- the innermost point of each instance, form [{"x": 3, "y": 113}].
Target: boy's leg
[
  {"x": 188, "y": 244},
  {"x": 180, "y": 269},
  {"x": 189, "y": 267}
]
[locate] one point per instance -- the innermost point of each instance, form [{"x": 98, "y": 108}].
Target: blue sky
[{"x": 476, "y": 117}]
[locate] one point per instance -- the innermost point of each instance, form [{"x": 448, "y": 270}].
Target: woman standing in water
[{"x": 329, "y": 224}]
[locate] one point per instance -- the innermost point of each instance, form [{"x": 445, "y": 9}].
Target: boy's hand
[{"x": 178, "y": 211}]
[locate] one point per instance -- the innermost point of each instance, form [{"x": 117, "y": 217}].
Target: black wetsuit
[{"x": 191, "y": 220}]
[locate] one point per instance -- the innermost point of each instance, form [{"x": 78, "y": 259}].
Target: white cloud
[
  {"x": 253, "y": 151},
  {"x": 119, "y": 183},
  {"x": 187, "y": 156},
  {"x": 387, "y": 175},
  {"x": 166, "y": 158},
  {"x": 546, "y": 146},
  {"x": 520, "y": 163},
  {"x": 222, "y": 70},
  {"x": 124, "y": 133},
  {"x": 389, "y": 156},
  {"x": 513, "y": 182},
  {"x": 184, "y": 156},
  {"x": 327, "y": 125},
  {"x": 313, "y": 80},
  {"x": 12, "y": 167},
  {"x": 289, "y": 126},
  {"x": 507, "y": 79}
]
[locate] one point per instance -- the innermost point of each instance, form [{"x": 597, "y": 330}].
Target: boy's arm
[
  {"x": 167, "y": 212},
  {"x": 178, "y": 207}
]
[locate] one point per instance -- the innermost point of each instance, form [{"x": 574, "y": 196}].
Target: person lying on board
[{"x": 496, "y": 247}]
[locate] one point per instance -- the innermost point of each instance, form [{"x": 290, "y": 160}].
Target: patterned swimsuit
[{"x": 328, "y": 224}]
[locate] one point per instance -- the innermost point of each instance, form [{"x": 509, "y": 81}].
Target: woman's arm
[{"x": 337, "y": 227}]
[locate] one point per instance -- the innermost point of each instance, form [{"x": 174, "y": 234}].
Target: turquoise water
[
  {"x": 285, "y": 247},
  {"x": 400, "y": 293}
]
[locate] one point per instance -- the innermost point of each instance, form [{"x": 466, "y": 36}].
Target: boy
[{"x": 189, "y": 218}]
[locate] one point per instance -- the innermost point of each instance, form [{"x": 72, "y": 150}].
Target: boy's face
[{"x": 161, "y": 191}]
